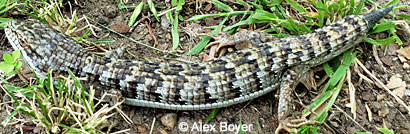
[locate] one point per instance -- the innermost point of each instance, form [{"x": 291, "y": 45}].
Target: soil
[{"x": 260, "y": 114}]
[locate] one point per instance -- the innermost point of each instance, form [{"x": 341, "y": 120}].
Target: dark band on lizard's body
[{"x": 232, "y": 79}]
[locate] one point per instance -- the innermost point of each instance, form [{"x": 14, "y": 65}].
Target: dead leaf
[
  {"x": 397, "y": 85},
  {"x": 402, "y": 59},
  {"x": 392, "y": 49},
  {"x": 405, "y": 52},
  {"x": 208, "y": 7},
  {"x": 141, "y": 129},
  {"x": 120, "y": 28}
]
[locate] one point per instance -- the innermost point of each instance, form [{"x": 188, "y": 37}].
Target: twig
[
  {"x": 365, "y": 78},
  {"x": 369, "y": 112},
  {"x": 352, "y": 93},
  {"x": 152, "y": 126},
  {"x": 149, "y": 28},
  {"x": 376, "y": 57},
  {"x": 165, "y": 11}
]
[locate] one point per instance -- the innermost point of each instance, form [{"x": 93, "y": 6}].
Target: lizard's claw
[
  {"x": 221, "y": 40},
  {"x": 290, "y": 125}
]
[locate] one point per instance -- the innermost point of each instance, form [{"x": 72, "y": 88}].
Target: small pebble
[
  {"x": 169, "y": 120},
  {"x": 383, "y": 112}
]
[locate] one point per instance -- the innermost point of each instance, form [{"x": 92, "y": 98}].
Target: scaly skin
[{"x": 235, "y": 78}]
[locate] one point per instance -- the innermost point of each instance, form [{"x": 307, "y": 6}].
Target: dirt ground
[{"x": 385, "y": 112}]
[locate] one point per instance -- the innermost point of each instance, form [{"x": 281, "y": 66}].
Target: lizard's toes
[
  {"x": 221, "y": 40},
  {"x": 287, "y": 126},
  {"x": 291, "y": 125}
]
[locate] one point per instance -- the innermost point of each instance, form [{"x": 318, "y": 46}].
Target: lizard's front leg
[{"x": 289, "y": 80}]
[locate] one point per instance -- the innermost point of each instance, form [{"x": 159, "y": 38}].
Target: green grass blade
[
  {"x": 329, "y": 91},
  {"x": 80, "y": 87},
  {"x": 308, "y": 129},
  {"x": 380, "y": 42},
  {"x": 71, "y": 130},
  {"x": 359, "y": 7},
  {"x": 393, "y": 2},
  {"x": 179, "y": 6},
  {"x": 393, "y": 32},
  {"x": 10, "y": 93},
  {"x": 2, "y": 3},
  {"x": 351, "y": 6},
  {"x": 243, "y": 3},
  {"x": 321, "y": 18},
  {"x": 240, "y": 23},
  {"x": 135, "y": 14},
  {"x": 174, "y": 32},
  {"x": 382, "y": 27},
  {"x": 103, "y": 41},
  {"x": 222, "y": 6},
  {"x": 174, "y": 2},
  {"x": 240, "y": 127},
  {"x": 295, "y": 5},
  {"x": 3, "y": 21},
  {"x": 174, "y": 27},
  {"x": 264, "y": 15},
  {"x": 328, "y": 70},
  {"x": 152, "y": 8},
  {"x": 9, "y": 117},
  {"x": 400, "y": 7},
  {"x": 205, "y": 40},
  {"x": 257, "y": 6},
  {"x": 335, "y": 92},
  {"x": 122, "y": 6},
  {"x": 385, "y": 130},
  {"x": 212, "y": 115},
  {"x": 321, "y": 99},
  {"x": 8, "y": 8}
]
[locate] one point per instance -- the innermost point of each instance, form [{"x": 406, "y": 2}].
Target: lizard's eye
[{"x": 22, "y": 41}]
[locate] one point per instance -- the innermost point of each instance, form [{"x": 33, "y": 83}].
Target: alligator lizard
[{"x": 235, "y": 78}]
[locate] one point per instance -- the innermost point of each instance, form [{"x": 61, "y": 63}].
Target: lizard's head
[{"x": 36, "y": 42}]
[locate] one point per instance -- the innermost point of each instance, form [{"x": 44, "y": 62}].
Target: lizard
[{"x": 237, "y": 77}]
